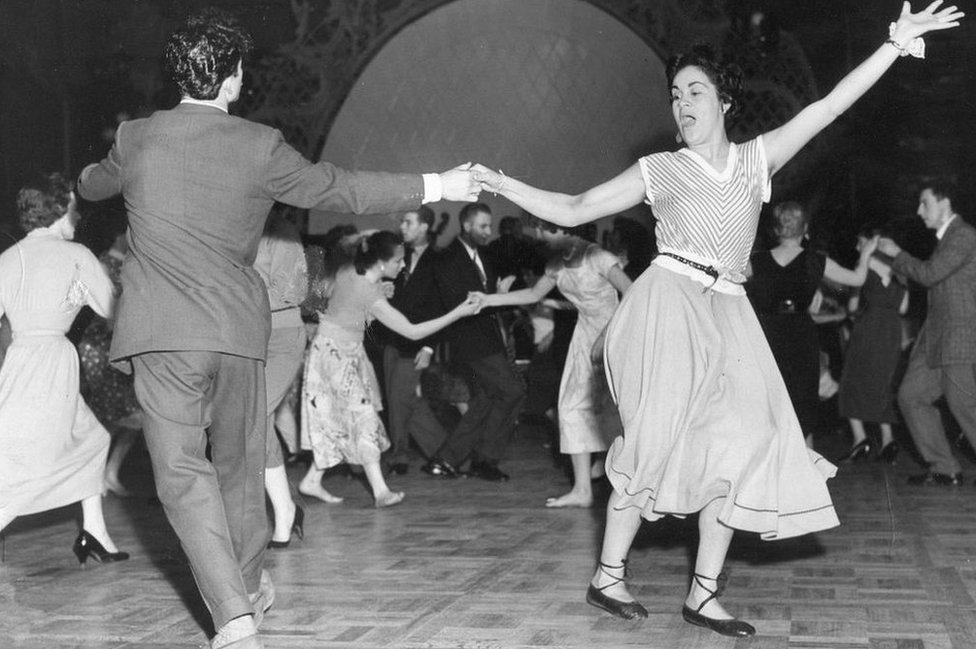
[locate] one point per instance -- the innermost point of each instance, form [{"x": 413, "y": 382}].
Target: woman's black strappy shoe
[
  {"x": 626, "y": 610},
  {"x": 730, "y": 627}
]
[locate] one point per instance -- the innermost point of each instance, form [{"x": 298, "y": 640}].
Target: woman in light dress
[
  {"x": 590, "y": 278},
  {"x": 708, "y": 424},
  {"x": 52, "y": 449},
  {"x": 340, "y": 396}
]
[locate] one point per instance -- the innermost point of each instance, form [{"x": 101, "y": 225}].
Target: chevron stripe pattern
[{"x": 712, "y": 214}]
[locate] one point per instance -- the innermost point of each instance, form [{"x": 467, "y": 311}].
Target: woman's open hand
[{"x": 910, "y": 26}]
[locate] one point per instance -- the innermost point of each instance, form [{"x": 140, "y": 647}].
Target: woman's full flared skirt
[
  {"x": 706, "y": 414},
  {"x": 52, "y": 449}
]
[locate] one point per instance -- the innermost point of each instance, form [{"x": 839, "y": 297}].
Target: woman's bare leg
[
  {"x": 622, "y": 526},
  {"x": 713, "y": 545}
]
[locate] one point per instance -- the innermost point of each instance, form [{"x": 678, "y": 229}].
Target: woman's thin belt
[{"x": 711, "y": 277}]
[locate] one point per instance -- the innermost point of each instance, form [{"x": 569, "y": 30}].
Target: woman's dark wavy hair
[
  {"x": 205, "y": 51},
  {"x": 379, "y": 246},
  {"x": 726, "y": 77},
  {"x": 43, "y": 201}
]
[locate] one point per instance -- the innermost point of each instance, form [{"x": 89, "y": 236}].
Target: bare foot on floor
[
  {"x": 389, "y": 499},
  {"x": 319, "y": 492},
  {"x": 572, "y": 499}
]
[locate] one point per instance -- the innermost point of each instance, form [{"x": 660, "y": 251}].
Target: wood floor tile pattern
[{"x": 472, "y": 565}]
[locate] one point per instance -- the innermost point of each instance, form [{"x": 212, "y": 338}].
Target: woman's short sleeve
[
  {"x": 761, "y": 169},
  {"x": 601, "y": 260},
  {"x": 645, "y": 165}
]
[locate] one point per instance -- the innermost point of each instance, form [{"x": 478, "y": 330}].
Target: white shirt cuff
[{"x": 433, "y": 189}]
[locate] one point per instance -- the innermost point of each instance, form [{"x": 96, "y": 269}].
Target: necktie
[
  {"x": 481, "y": 270},
  {"x": 407, "y": 263}
]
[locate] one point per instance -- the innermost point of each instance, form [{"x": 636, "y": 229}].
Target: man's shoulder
[
  {"x": 451, "y": 250},
  {"x": 190, "y": 111},
  {"x": 961, "y": 228}
]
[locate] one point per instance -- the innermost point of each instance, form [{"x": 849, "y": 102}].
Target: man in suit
[
  {"x": 943, "y": 361},
  {"x": 476, "y": 342},
  {"x": 415, "y": 296},
  {"x": 194, "y": 319}
]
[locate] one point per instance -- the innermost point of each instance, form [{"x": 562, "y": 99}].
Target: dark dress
[
  {"x": 109, "y": 393},
  {"x": 867, "y": 386},
  {"x": 781, "y": 296}
]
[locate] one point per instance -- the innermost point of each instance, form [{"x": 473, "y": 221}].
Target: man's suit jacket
[
  {"x": 949, "y": 333},
  {"x": 198, "y": 185},
  {"x": 456, "y": 275},
  {"x": 415, "y": 296}
]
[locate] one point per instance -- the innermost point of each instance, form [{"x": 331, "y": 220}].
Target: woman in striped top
[{"x": 708, "y": 424}]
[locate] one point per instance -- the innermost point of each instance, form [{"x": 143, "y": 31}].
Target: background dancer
[
  {"x": 590, "y": 278},
  {"x": 52, "y": 448}
]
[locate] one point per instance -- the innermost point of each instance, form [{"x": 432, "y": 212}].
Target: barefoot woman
[{"x": 708, "y": 425}]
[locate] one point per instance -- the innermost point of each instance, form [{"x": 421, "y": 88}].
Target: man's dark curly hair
[
  {"x": 43, "y": 201},
  {"x": 726, "y": 77},
  {"x": 203, "y": 52}
]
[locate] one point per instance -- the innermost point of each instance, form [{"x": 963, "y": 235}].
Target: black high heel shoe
[
  {"x": 889, "y": 452},
  {"x": 732, "y": 627},
  {"x": 626, "y": 610},
  {"x": 858, "y": 452},
  {"x": 87, "y": 546},
  {"x": 297, "y": 528}
]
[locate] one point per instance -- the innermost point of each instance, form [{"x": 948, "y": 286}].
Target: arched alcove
[{"x": 557, "y": 92}]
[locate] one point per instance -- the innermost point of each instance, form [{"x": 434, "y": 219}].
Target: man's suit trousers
[
  {"x": 409, "y": 415},
  {"x": 215, "y": 506},
  {"x": 920, "y": 389}
]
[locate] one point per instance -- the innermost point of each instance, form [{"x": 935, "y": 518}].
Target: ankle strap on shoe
[
  {"x": 604, "y": 567},
  {"x": 720, "y": 582}
]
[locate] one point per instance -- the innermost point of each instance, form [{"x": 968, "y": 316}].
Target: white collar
[
  {"x": 945, "y": 226},
  {"x": 203, "y": 102},
  {"x": 471, "y": 251}
]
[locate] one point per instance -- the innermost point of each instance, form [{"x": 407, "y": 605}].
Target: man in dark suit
[
  {"x": 194, "y": 319},
  {"x": 943, "y": 361},
  {"x": 415, "y": 296},
  {"x": 476, "y": 342}
]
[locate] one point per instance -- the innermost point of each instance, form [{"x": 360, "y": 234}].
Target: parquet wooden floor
[{"x": 472, "y": 565}]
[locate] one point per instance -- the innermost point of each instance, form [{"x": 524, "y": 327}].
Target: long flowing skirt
[
  {"x": 52, "y": 449},
  {"x": 706, "y": 414}
]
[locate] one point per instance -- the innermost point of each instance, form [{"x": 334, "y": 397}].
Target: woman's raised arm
[{"x": 783, "y": 143}]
